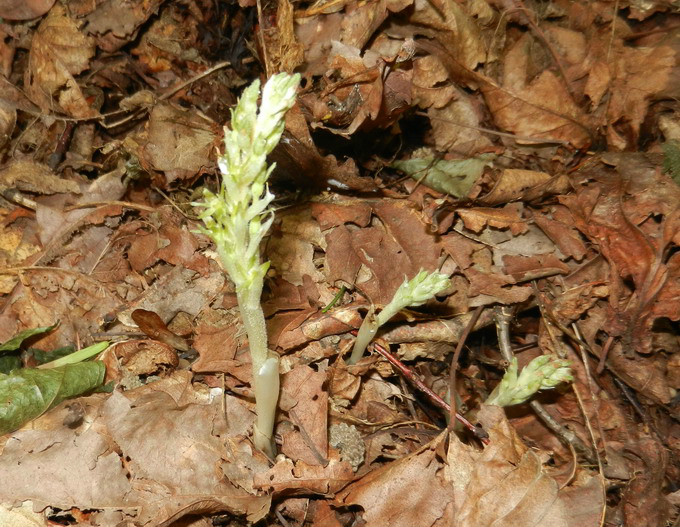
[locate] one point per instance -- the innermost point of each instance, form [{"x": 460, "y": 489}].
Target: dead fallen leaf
[
  {"x": 505, "y": 483},
  {"x": 409, "y": 491},
  {"x": 540, "y": 108},
  {"x": 180, "y": 143},
  {"x": 58, "y": 52},
  {"x": 35, "y": 177},
  {"x": 25, "y": 9},
  {"x": 302, "y": 386},
  {"x": 286, "y": 476},
  {"x": 151, "y": 324},
  {"x": 639, "y": 74}
]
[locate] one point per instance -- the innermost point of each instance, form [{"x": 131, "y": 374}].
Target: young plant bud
[
  {"x": 415, "y": 292},
  {"x": 542, "y": 373}
]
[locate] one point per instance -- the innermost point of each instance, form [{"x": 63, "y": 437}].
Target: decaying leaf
[{"x": 454, "y": 177}]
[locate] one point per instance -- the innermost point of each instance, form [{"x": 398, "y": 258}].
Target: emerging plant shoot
[
  {"x": 542, "y": 373},
  {"x": 238, "y": 217},
  {"x": 415, "y": 292}
]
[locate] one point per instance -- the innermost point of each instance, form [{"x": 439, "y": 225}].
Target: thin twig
[
  {"x": 413, "y": 378},
  {"x": 454, "y": 361},
  {"x": 125, "y": 204}
]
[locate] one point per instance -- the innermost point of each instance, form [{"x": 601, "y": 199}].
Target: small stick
[
  {"x": 412, "y": 377},
  {"x": 456, "y": 356}
]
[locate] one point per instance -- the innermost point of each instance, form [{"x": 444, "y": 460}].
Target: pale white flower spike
[{"x": 238, "y": 216}]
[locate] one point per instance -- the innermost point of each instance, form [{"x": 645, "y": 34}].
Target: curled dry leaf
[
  {"x": 151, "y": 324},
  {"x": 143, "y": 357},
  {"x": 35, "y": 177}
]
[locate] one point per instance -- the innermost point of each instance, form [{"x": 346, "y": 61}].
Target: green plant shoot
[
  {"x": 415, "y": 292},
  {"x": 542, "y": 373}
]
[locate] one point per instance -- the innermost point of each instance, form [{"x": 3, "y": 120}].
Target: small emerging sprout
[
  {"x": 238, "y": 216},
  {"x": 415, "y": 292},
  {"x": 542, "y": 373}
]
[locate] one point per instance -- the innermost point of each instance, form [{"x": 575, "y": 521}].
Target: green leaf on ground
[
  {"x": 15, "y": 342},
  {"x": 455, "y": 177},
  {"x": 27, "y": 393}
]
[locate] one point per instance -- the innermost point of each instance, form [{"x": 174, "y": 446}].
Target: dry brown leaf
[
  {"x": 144, "y": 357},
  {"x": 505, "y": 483},
  {"x": 634, "y": 252},
  {"x": 24, "y": 9},
  {"x": 78, "y": 301},
  {"x": 456, "y": 126},
  {"x": 216, "y": 347},
  {"x": 361, "y": 21},
  {"x": 307, "y": 30},
  {"x": 293, "y": 258},
  {"x": 527, "y": 268},
  {"x": 428, "y": 75},
  {"x": 644, "y": 503},
  {"x": 65, "y": 469},
  {"x": 344, "y": 385},
  {"x": 646, "y": 375},
  {"x": 170, "y": 241},
  {"x": 478, "y": 218},
  {"x": 496, "y": 287},
  {"x": 377, "y": 258},
  {"x": 539, "y": 108},
  {"x": 562, "y": 232},
  {"x": 512, "y": 183},
  {"x": 180, "y": 143},
  {"x": 58, "y": 52},
  {"x": 598, "y": 82},
  {"x": 323, "y": 515},
  {"x": 302, "y": 388},
  {"x": 574, "y": 302},
  {"x": 114, "y": 23},
  {"x": 454, "y": 28},
  {"x": 178, "y": 290},
  {"x": 151, "y": 324},
  {"x": 113, "y": 460},
  {"x": 639, "y": 74},
  {"x": 409, "y": 491},
  {"x": 286, "y": 476},
  {"x": 335, "y": 214},
  {"x": 35, "y": 177}
]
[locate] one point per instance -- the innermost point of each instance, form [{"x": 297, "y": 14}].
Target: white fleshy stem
[
  {"x": 265, "y": 370},
  {"x": 266, "y": 382},
  {"x": 254, "y": 324},
  {"x": 369, "y": 327}
]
